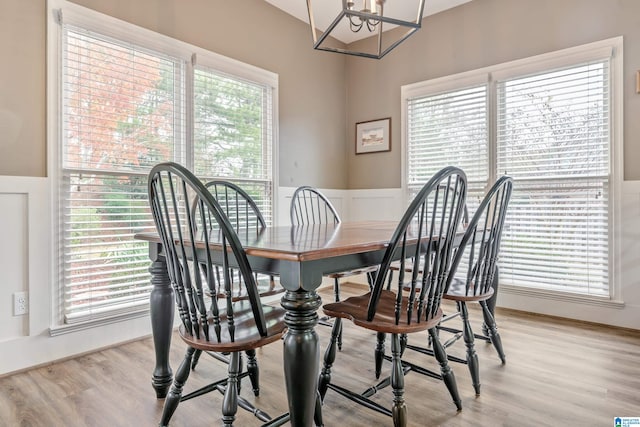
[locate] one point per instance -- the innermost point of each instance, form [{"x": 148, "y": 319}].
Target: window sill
[
  {"x": 562, "y": 296},
  {"x": 90, "y": 324}
]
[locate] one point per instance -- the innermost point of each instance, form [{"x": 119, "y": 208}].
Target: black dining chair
[
  {"x": 478, "y": 255},
  {"x": 310, "y": 206},
  {"x": 475, "y": 267},
  {"x": 424, "y": 241},
  {"x": 197, "y": 236},
  {"x": 246, "y": 219}
]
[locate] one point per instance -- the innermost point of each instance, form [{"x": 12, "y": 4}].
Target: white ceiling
[{"x": 325, "y": 11}]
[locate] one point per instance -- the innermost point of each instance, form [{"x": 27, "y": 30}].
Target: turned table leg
[
  {"x": 161, "y": 308},
  {"x": 301, "y": 355}
]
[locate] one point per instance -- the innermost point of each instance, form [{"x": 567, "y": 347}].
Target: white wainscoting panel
[
  {"x": 338, "y": 199},
  {"x": 13, "y": 262},
  {"x": 624, "y": 309},
  {"x": 384, "y": 204},
  {"x": 25, "y": 262}
]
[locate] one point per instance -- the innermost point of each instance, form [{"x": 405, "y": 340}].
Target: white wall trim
[
  {"x": 36, "y": 346},
  {"x": 35, "y": 190},
  {"x": 33, "y": 345},
  {"x": 352, "y": 205}
]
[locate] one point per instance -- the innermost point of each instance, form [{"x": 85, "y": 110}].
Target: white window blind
[
  {"x": 233, "y": 133},
  {"x": 120, "y": 116},
  {"x": 124, "y": 108},
  {"x": 547, "y": 121},
  {"x": 553, "y": 138},
  {"x": 448, "y": 129}
]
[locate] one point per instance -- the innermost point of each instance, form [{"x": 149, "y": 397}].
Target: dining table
[{"x": 300, "y": 256}]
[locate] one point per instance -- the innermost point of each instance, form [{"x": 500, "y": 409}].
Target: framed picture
[{"x": 373, "y": 136}]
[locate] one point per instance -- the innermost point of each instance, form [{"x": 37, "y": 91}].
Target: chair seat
[
  {"x": 350, "y": 273},
  {"x": 457, "y": 292},
  {"x": 246, "y": 333},
  {"x": 355, "y": 309}
]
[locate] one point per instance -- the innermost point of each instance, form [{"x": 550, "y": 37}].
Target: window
[
  {"x": 453, "y": 124},
  {"x": 547, "y": 122},
  {"x": 553, "y": 139},
  {"x": 232, "y": 133},
  {"x": 123, "y": 107}
]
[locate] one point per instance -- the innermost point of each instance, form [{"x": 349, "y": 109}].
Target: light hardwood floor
[{"x": 558, "y": 372}]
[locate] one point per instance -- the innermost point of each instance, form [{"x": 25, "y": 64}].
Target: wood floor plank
[{"x": 558, "y": 372}]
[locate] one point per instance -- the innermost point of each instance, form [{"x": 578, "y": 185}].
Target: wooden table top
[{"x": 311, "y": 242}]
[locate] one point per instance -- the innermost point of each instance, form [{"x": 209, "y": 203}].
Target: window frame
[
  {"x": 62, "y": 11},
  {"x": 612, "y": 48}
]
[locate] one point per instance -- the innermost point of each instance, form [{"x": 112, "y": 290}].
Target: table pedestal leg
[
  {"x": 301, "y": 355},
  {"x": 161, "y": 307}
]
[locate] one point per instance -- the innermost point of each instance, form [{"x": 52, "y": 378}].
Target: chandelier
[{"x": 368, "y": 16}]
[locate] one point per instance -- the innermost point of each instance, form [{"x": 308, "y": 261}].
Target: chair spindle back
[
  {"x": 480, "y": 245},
  {"x": 183, "y": 208},
  {"x": 247, "y": 221},
  {"x": 240, "y": 208},
  {"x": 310, "y": 206},
  {"x": 424, "y": 243}
]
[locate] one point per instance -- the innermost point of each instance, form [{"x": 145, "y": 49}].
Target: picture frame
[{"x": 373, "y": 136}]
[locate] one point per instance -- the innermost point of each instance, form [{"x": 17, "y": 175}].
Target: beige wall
[
  {"x": 311, "y": 96},
  {"x": 22, "y": 88},
  {"x": 322, "y": 95},
  {"x": 479, "y": 34}
]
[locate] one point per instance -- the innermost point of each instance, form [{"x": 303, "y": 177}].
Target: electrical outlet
[{"x": 20, "y": 303}]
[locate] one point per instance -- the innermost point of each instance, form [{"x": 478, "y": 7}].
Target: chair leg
[
  {"x": 173, "y": 397},
  {"x": 240, "y": 369},
  {"x": 336, "y": 293},
  {"x": 230, "y": 400},
  {"x": 379, "y": 352},
  {"x": 472, "y": 356},
  {"x": 399, "y": 410},
  {"x": 403, "y": 343},
  {"x": 196, "y": 358},
  {"x": 317, "y": 415},
  {"x": 254, "y": 372},
  {"x": 329, "y": 358},
  {"x": 492, "y": 331},
  {"x": 447, "y": 374}
]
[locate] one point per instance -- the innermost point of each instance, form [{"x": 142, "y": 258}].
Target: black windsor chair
[
  {"x": 478, "y": 251},
  {"x": 425, "y": 236},
  {"x": 310, "y": 206},
  {"x": 247, "y": 220},
  {"x": 189, "y": 237}
]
